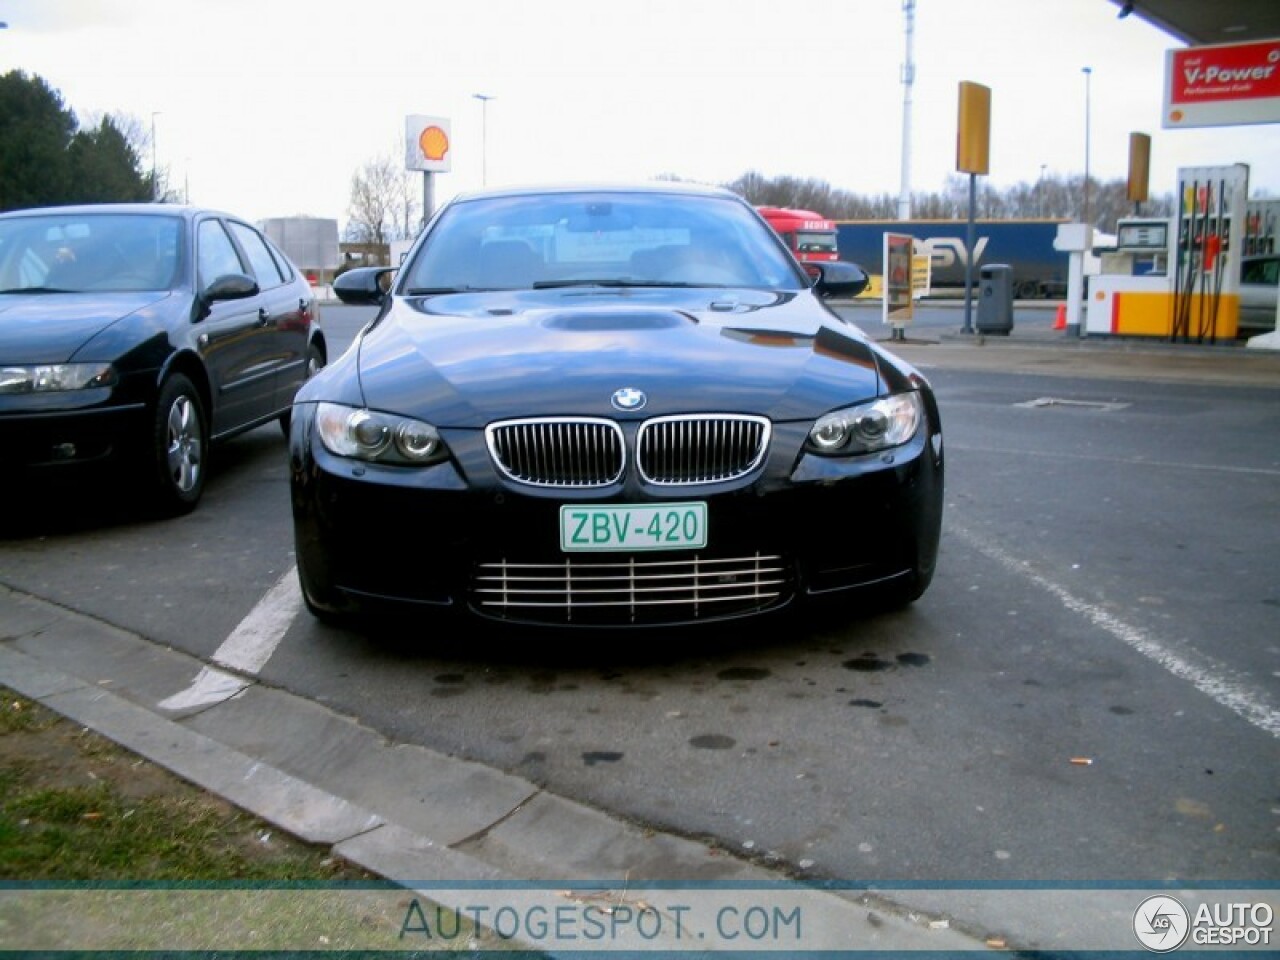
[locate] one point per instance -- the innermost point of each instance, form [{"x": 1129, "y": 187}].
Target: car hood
[
  {"x": 464, "y": 360},
  {"x": 51, "y": 327}
]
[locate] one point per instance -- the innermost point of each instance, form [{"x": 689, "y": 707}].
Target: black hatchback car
[
  {"x": 611, "y": 407},
  {"x": 136, "y": 334}
]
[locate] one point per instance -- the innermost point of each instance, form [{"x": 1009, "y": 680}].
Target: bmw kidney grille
[{"x": 588, "y": 452}]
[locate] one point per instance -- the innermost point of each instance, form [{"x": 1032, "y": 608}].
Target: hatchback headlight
[
  {"x": 55, "y": 377},
  {"x": 868, "y": 427},
  {"x": 381, "y": 437}
]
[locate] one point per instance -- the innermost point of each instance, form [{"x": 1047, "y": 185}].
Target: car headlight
[
  {"x": 380, "y": 437},
  {"x": 868, "y": 427},
  {"x": 54, "y": 377}
]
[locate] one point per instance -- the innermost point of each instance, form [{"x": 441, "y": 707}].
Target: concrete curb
[{"x": 403, "y": 812}]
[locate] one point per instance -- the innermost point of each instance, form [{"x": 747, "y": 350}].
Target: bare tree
[
  {"x": 1054, "y": 198},
  {"x": 384, "y": 205}
]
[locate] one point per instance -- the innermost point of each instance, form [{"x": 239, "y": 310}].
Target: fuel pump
[
  {"x": 1177, "y": 279},
  {"x": 1205, "y": 259}
]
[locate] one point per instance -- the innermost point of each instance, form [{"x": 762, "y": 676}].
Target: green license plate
[{"x": 621, "y": 527}]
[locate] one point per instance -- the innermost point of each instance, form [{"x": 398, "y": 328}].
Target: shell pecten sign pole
[{"x": 428, "y": 147}]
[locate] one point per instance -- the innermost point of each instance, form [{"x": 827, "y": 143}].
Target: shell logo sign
[
  {"x": 434, "y": 143},
  {"x": 427, "y": 144}
]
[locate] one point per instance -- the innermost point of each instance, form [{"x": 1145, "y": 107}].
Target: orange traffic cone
[{"x": 1061, "y": 322}]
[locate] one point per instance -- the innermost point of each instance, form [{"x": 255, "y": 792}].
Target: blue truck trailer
[{"x": 1025, "y": 245}]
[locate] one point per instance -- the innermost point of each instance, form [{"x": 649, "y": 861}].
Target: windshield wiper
[
  {"x": 438, "y": 291},
  {"x": 37, "y": 290}
]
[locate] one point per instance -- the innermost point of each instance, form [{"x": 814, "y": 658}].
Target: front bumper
[
  {"x": 36, "y": 440},
  {"x": 799, "y": 527}
]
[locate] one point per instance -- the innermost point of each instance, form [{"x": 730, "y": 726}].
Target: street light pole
[
  {"x": 1088, "y": 76},
  {"x": 155, "y": 186},
  {"x": 484, "y": 99}
]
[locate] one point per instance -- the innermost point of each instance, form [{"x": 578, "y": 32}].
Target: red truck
[{"x": 811, "y": 237}]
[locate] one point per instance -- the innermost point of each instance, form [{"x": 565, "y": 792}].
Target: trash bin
[{"x": 995, "y": 299}]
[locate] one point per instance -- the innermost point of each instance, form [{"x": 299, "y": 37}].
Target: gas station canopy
[{"x": 1205, "y": 22}]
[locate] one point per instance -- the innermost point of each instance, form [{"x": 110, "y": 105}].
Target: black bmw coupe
[{"x": 611, "y": 407}]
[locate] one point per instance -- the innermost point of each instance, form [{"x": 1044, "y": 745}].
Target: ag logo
[
  {"x": 1161, "y": 923},
  {"x": 628, "y": 398}
]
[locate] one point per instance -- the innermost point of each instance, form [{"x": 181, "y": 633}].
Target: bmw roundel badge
[{"x": 628, "y": 398}]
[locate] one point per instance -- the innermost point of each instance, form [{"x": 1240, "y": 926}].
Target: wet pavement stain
[
  {"x": 712, "y": 741},
  {"x": 542, "y": 683},
  {"x": 870, "y": 704},
  {"x": 444, "y": 692},
  {"x": 1122, "y": 711},
  {"x": 744, "y": 673},
  {"x": 874, "y": 663},
  {"x": 592, "y": 757}
]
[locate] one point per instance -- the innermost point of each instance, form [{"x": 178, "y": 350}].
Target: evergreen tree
[
  {"x": 104, "y": 167},
  {"x": 45, "y": 160},
  {"x": 33, "y": 151}
]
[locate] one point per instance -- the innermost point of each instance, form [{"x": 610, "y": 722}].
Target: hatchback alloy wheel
[
  {"x": 186, "y": 454},
  {"x": 180, "y": 442}
]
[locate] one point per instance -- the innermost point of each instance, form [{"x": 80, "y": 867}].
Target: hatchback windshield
[
  {"x": 64, "y": 253},
  {"x": 623, "y": 239}
]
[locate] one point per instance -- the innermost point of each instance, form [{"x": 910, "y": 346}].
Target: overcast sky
[{"x": 267, "y": 107}]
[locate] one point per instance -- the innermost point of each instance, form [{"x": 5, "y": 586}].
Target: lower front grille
[{"x": 620, "y": 591}]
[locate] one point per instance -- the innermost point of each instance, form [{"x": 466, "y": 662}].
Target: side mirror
[
  {"x": 839, "y": 279},
  {"x": 364, "y": 285},
  {"x": 230, "y": 286}
]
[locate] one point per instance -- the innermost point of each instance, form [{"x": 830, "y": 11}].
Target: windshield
[
  {"x": 88, "y": 252},
  {"x": 616, "y": 239},
  {"x": 814, "y": 242}
]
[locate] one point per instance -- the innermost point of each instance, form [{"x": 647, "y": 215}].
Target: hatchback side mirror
[{"x": 230, "y": 286}]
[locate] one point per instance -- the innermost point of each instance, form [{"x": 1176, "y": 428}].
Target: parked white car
[{"x": 1258, "y": 284}]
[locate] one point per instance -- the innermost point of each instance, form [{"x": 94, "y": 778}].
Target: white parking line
[
  {"x": 1231, "y": 692},
  {"x": 246, "y": 650},
  {"x": 251, "y": 644}
]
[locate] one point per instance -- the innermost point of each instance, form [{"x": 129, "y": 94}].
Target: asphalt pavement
[{"x": 324, "y": 777}]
